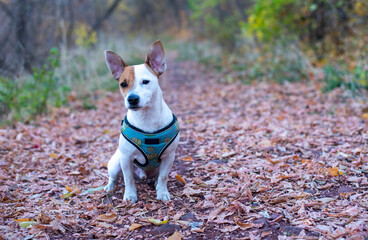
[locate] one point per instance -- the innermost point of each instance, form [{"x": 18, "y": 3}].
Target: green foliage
[
  {"x": 218, "y": 20},
  {"x": 336, "y": 77},
  {"x": 269, "y": 19},
  {"x": 322, "y": 25},
  {"x": 333, "y": 78},
  {"x": 31, "y": 97}
]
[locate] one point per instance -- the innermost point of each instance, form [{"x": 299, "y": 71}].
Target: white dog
[{"x": 150, "y": 131}]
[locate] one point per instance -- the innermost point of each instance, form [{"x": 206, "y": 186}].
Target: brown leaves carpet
[{"x": 260, "y": 162}]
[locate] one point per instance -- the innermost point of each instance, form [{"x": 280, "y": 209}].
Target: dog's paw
[
  {"x": 110, "y": 187},
  {"x": 131, "y": 197},
  {"x": 163, "y": 195}
]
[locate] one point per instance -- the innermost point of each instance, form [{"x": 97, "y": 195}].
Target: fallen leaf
[
  {"x": 334, "y": 171},
  {"x": 280, "y": 199},
  {"x": 25, "y": 222},
  {"x": 246, "y": 226},
  {"x": 266, "y": 233},
  {"x": 180, "y": 179},
  {"x": 56, "y": 224},
  {"x": 134, "y": 226},
  {"x": 69, "y": 189},
  {"x": 199, "y": 230},
  {"x": 108, "y": 217},
  {"x": 104, "y": 225},
  {"x": 175, "y": 236},
  {"x": 352, "y": 211},
  {"x": 228, "y": 154},
  {"x": 229, "y": 228},
  {"x": 186, "y": 159},
  {"x": 157, "y": 222}
]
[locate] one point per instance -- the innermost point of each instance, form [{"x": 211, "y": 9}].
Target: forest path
[{"x": 260, "y": 161}]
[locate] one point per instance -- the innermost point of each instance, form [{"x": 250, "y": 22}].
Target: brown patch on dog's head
[
  {"x": 126, "y": 80},
  {"x": 115, "y": 64}
]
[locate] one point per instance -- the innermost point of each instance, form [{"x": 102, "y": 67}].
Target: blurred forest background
[{"x": 52, "y": 51}]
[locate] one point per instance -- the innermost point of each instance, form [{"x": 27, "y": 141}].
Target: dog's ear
[
  {"x": 156, "y": 58},
  {"x": 115, "y": 64}
]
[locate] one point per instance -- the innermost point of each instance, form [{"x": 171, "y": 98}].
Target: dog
[{"x": 149, "y": 132}]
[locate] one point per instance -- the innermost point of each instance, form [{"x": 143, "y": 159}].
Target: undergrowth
[
  {"x": 67, "y": 75},
  {"x": 24, "y": 98}
]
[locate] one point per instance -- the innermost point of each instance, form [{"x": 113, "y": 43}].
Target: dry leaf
[
  {"x": 280, "y": 199},
  {"x": 228, "y": 154},
  {"x": 69, "y": 189},
  {"x": 175, "y": 236},
  {"x": 134, "y": 226},
  {"x": 199, "y": 230},
  {"x": 334, "y": 171},
  {"x": 108, "y": 217},
  {"x": 56, "y": 224},
  {"x": 104, "y": 225},
  {"x": 186, "y": 159},
  {"x": 25, "y": 222},
  {"x": 243, "y": 226},
  {"x": 157, "y": 222},
  {"x": 229, "y": 228},
  {"x": 353, "y": 211},
  {"x": 180, "y": 179}
]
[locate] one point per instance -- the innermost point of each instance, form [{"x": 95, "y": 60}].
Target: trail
[{"x": 259, "y": 161}]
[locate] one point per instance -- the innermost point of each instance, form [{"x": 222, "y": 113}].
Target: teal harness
[{"x": 151, "y": 145}]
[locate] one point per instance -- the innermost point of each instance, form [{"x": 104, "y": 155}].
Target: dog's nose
[{"x": 133, "y": 99}]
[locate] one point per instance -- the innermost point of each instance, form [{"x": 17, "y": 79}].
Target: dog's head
[{"x": 138, "y": 83}]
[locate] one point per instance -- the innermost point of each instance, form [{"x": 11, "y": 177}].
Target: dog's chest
[{"x": 150, "y": 145}]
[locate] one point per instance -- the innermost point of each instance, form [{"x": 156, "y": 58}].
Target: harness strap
[{"x": 151, "y": 144}]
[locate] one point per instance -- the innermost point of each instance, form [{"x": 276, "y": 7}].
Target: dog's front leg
[
  {"x": 161, "y": 183},
  {"x": 130, "y": 192},
  {"x": 114, "y": 170}
]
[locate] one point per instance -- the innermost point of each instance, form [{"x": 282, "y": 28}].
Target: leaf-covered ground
[{"x": 259, "y": 162}]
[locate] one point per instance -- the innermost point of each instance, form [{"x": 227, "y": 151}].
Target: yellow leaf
[
  {"x": 69, "y": 189},
  {"x": 334, "y": 171},
  {"x": 108, "y": 217},
  {"x": 175, "y": 236},
  {"x": 180, "y": 179},
  {"x": 134, "y": 226},
  {"x": 157, "y": 222},
  {"x": 23, "y": 220},
  {"x": 365, "y": 116},
  {"x": 53, "y": 155}
]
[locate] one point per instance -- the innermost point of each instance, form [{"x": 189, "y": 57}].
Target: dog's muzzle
[{"x": 133, "y": 101}]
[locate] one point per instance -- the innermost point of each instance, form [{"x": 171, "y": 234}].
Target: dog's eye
[
  {"x": 145, "y": 82},
  {"x": 124, "y": 84}
]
